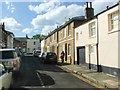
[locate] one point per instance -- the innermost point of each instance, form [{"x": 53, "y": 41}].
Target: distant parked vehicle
[
  {"x": 10, "y": 59},
  {"x": 49, "y": 57},
  {"x": 5, "y": 77},
  {"x": 36, "y": 53},
  {"x": 19, "y": 52}
]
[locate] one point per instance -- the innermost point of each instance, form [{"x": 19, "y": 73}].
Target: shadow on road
[{"x": 30, "y": 77}]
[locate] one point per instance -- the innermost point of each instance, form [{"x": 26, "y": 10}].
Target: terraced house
[
  {"x": 62, "y": 39},
  {"x": 96, "y": 41},
  {"x": 6, "y": 37},
  {"x": 51, "y": 42},
  {"x": 66, "y": 38}
]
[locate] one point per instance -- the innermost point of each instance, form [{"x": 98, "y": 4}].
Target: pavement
[{"x": 103, "y": 79}]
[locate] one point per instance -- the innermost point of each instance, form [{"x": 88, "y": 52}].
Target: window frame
[
  {"x": 34, "y": 43},
  {"x": 92, "y": 29},
  {"x": 69, "y": 49},
  {"x": 61, "y": 35},
  {"x": 69, "y": 30},
  {"x": 77, "y": 36},
  {"x": 64, "y": 32},
  {"x": 115, "y": 19},
  {"x": 92, "y": 49}
]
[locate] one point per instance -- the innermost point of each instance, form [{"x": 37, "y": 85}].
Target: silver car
[
  {"x": 10, "y": 59},
  {"x": 5, "y": 77}
]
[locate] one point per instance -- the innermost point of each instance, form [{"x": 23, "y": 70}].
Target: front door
[{"x": 81, "y": 55}]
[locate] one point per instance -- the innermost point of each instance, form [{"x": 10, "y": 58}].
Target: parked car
[
  {"x": 49, "y": 57},
  {"x": 19, "y": 52},
  {"x": 36, "y": 53},
  {"x": 10, "y": 59},
  {"x": 5, "y": 77}
]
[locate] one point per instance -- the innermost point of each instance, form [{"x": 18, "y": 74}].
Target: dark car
[
  {"x": 36, "y": 53},
  {"x": 49, "y": 57}
]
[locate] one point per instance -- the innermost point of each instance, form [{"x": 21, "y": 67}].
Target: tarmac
[{"x": 99, "y": 78}]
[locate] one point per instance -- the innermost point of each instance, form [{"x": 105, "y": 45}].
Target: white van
[{"x": 10, "y": 59}]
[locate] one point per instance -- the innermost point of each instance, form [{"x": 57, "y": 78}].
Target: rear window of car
[
  {"x": 51, "y": 53},
  {"x": 8, "y": 54},
  {"x": 38, "y": 51}
]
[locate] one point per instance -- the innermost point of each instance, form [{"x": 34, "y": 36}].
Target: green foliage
[{"x": 37, "y": 36}]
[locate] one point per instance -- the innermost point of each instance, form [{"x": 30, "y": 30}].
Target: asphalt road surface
[{"x": 36, "y": 75}]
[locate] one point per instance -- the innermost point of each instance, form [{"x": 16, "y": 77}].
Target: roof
[
  {"x": 108, "y": 9},
  {"x": 87, "y": 20},
  {"x": 82, "y": 18},
  {"x": 10, "y": 33},
  {"x": 20, "y": 38},
  {"x": 77, "y": 18}
]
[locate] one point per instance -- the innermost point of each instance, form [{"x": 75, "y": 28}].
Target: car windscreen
[
  {"x": 7, "y": 54},
  {"x": 51, "y": 54}
]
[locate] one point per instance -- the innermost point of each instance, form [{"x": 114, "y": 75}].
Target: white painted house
[
  {"x": 108, "y": 40},
  {"x": 42, "y": 45},
  {"x": 86, "y": 43},
  {"x": 96, "y": 42},
  {"x": 33, "y": 44}
]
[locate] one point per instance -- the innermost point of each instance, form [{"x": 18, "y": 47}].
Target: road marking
[{"x": 42, "y": 83}]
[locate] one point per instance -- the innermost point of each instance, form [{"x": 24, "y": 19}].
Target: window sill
[
  {"x": 69, "y": 36},
  {"x": 113, "y": 31},
  {"x": 69, "y": 55},
  {"x": 92, "y": 36}
]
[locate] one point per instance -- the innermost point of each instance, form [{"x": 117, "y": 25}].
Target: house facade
[
  {"x": 62, "y": 39},
  {"x": 42, "y": 45},
  {"x": 108, "y": 47},
  {"x": 66, "y": 42},
  {"x": 96, "y": 42},
  {"x": 86, "y": 44},
  {"x": 33, "y": 44},
  {"x": 20, "y": 43},
  {"x": 10, "y": 38},
  {"x": 6, "y": 37},
  {"x": 3, "y": 36}
]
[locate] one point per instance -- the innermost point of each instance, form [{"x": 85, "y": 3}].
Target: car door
[{"x": 5, "y": 77}]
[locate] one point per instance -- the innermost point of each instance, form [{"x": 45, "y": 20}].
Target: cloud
[
  {"x": 56, "y": 16},
  {"x": 10, "y": 6},
  {"x": 45, "y": 7},
  {"x": 11, "y": 24},
  {"x": 101, "y": 5},
  {"x": 47, "y": 29},
  {"x": 27, "y": 30},
  {"x": 50, "y": 15}
]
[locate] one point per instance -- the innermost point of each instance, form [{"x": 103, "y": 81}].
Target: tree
[{"x": 37, "y": 36}]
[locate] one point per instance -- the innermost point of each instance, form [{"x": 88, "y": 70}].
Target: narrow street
[{"x": 34, "y": 74}]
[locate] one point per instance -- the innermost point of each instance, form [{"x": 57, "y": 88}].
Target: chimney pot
[
  {"x": 86, "y": 4},
  {"x": 107, "y": 7},
  {"x": 90, "y": 4}
]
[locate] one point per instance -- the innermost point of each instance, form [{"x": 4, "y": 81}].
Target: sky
[{"x": 33, "y": 17}]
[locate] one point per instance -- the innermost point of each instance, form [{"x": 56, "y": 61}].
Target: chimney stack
[
  {"x": 86, "y": 4},
  {"x": 90, "y": 4},
  {"x": 89, "y": 11}
]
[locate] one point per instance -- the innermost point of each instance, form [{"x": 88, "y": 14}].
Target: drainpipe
[{"x": 99, "y": 69}]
